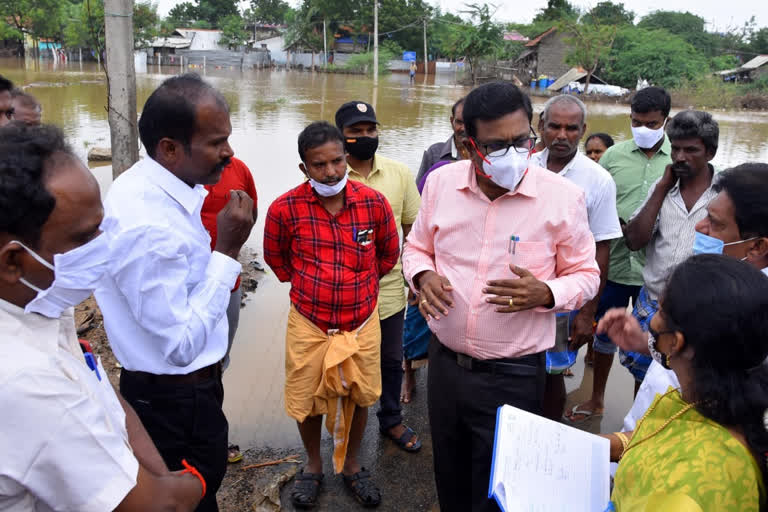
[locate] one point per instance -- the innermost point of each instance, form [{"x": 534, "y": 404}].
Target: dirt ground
[{"x": 245, "y": 487}]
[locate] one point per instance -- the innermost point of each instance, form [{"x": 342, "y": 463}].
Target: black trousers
[
  {"x": 390, "y": 412},
  {"x": 462, "y": 419},
  {"x": 185, "y": 422}
]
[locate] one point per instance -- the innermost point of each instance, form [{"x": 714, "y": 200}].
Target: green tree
[
  {"x": 145, "y": 24},
  {"x": 662, "y": 58},
  {"x": 303, "y": 32},
  {"x": 480, "y": 38},
  {"x": 590, "y": 44},
  {"x": 557, "y": 10},
  {"x": 758, "y": 43},
  {"x": 86, "y": 25},
  {"x": 233, "y": 33},
  {"x": 723, "y": 62},
  {"x": 38, "y": 18},
  {"x": 609, "y": 13},
  {"x": 213, "y": 12},
  {"x": 685, "y": 25},
  {"x": 182, "y": 15},
  {"x": 269, "y": 11}
]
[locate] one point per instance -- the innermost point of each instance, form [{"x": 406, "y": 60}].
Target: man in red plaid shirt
[{"x": 333, "y": 240}]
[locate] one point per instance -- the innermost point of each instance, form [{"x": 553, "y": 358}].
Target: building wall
[{"x": 551, "y": 56}]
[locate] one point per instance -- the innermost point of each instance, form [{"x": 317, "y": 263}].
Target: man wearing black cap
[{"x": 357, "y": 121}]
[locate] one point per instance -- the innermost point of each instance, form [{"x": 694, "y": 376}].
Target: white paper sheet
[{"x": 543, "y": 466}]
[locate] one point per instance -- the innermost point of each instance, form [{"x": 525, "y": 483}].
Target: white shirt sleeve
[
  {"x": 603, "y": 216},
  {"x": 657, "y": 382},
  {"x": 150, "y": 269},
  {"x": 61, "y": 446}
]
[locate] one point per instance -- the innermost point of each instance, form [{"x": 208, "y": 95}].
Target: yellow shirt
[{"x": 395, "y": 181}]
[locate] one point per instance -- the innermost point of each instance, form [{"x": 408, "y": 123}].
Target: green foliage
[
  {"x": 685, "y": 25},
  {"x": 269, "y": 11},
  {"x": 85, "y": 26},
  {"x": 145, "y": 24},
  {"x": 482, "y": 37},
  {"x": 182, "y": 15},
  {"x": 590, "y": 44},
  {"x": 557, "y": 10},
  {"x": 609, "y": 13},
  {"x": 303, "y": 32},
  {"x": 723, "y": 62},
  {"x": 233, "y": 34},
  {"x": 215, "y": 11},
  {"x": 38, "y": 18},
  {"x": 658, "y": 56},
  {"x": 363, "y": 62},
  {"x": 758, "y": 42}
]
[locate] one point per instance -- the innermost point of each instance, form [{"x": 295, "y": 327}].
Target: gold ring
[
  {"x": 425, "y": 301},
  {"x": 511, "y": 302}
]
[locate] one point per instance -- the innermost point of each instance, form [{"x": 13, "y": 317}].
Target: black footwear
[
  {"x": 405, "y": 438},
  {"x": 306, "y": 487},
  {"x": 363, "y": 489}
]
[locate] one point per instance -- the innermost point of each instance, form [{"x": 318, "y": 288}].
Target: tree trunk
[{"x": 586, "y": 84}]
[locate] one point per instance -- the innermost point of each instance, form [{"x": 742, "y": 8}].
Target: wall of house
[{"x": 551, "y": 56}]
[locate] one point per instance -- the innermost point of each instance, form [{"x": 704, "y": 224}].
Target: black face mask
[{"x": 362, "y": 148}]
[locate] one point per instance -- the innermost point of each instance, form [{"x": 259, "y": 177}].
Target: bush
[{"x": 363, "y": 62}]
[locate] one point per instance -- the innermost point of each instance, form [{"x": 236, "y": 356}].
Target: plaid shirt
[{"x": 333, "y": 265}]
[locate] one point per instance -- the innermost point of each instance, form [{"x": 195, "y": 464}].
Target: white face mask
[
  {"x": 506, "y": 170},
  {"x": 645, "y": 138},
  {"x": 328, "y": 190},
  {"x": 76, "y": 274}
]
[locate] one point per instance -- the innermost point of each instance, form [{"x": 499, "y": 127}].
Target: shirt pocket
[
  {"x": 360, "y": 249},
  {"x": 536, "y": 257}
]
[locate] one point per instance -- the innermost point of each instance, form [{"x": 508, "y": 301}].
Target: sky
[{"x": 720, "y": 15}]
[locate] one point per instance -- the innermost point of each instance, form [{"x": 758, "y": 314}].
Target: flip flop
[
  {"x": 587, "y": 415},
  {"x": 404, "y": 439},
  {"x": 233, "y": 454}
]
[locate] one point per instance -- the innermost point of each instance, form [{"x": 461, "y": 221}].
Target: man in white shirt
[
  {"x": 562, "y": 124},
  {"x": 165, "y": 295},
  {"x": 67, "y": 441},
  {"x": 736, "y": 225}
]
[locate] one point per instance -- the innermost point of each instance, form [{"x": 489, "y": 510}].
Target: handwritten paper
[{"x": 540, "y": 465}]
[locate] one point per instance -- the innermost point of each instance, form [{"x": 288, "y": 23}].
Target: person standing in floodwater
[
  {"x": 412, "y": 72},
  {"x": 332, "y": 239},
  {"x": 357, "y": 122}
]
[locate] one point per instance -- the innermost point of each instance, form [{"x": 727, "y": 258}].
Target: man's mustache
[{"x": 221, "y": 165}]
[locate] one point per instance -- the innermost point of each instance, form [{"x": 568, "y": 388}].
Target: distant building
[
  {"x": 514, "y": 35},
  {"x": 748, "y": 72},
  {"x": 543, "y": 55}
]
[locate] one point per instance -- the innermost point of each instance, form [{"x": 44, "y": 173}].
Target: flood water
[{"x": 269, "y": 109}]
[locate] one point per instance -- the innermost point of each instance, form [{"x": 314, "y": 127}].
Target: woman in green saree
[{"x": 701, "y": 447}]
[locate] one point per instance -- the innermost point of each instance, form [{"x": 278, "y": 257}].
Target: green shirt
[
  {"x": 395, "y": 181},
  {"x": 634, "y": 174}
]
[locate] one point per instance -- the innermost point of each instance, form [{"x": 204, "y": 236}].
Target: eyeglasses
[{"x": 521, "y": 145}]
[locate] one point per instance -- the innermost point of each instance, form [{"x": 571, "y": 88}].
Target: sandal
[
  {"x": 363, "y": 489},
  {"x": 233, "y": 454},
  {"x": 580, "y": 412},
  {"x": 405, "y": 438},
  {"x": 306, "y": 487}
]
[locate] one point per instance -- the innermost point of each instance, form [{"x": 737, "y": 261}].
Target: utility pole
[
  {"x": 121, "y": 79},
  {"x": 325, "y": 45},
  {"x": 426, "y": 57},
  {"x": 375, "y": 41}
]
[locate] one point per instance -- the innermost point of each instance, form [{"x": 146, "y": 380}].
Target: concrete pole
[
  {"x": 375, "y": 41},
  {"x": 121, "y": 78},
  {"x": 426, "y": 57},
  {"x": 325, "y": 45}
]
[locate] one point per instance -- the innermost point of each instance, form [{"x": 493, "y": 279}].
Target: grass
[{"x": 710, "y": 92}]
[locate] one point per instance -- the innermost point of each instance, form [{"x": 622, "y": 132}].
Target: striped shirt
[
  {"x": 672, "y": 238},
  {"x": 333, "y": 263}
]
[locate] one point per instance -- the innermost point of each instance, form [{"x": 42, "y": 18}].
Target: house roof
[
  {"x": 171, "y": 42},
  {"x": 572, "y": 75},
  {"x": 755, "y": 63},
  {"x": 536, "y": 40},
  {"x": 514, "y": 35}
]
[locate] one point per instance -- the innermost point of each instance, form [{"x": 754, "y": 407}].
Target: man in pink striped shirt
[{"x": 499, "y": 246}]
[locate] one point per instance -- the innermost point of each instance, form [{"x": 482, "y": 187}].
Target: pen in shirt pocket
[{"x": 512, "y": 248}]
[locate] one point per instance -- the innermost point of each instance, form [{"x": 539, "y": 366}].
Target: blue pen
[{"x": 91, "y": 362}]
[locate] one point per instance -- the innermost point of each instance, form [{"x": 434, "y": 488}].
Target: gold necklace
[{"x": 663, "y": 425}]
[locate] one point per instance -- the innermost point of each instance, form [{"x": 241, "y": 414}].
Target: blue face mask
[{"x": 705, "y": 244}]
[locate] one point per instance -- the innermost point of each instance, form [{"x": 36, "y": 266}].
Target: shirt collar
[
  {"x": 451, "y": 146},
  {"x": 666, "y": 147},
  {"x": 527, "y": 186},
  {"x": 32, "y": 329},
  {"x": 190, "y": 198},
  {"x": 543, "y": 156},
  {"x": 675, "y": 190},
  {"x": 375, "y": 167}
]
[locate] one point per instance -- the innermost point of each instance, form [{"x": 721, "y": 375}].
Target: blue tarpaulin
[{"x": 409, "y": 56}]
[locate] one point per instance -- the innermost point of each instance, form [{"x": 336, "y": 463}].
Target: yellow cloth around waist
[{"x": 331, "y": 373}]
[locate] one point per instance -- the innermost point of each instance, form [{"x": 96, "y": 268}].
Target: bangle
[
  {"x": 624, "y": 441},
  {"x": 189, "y": 468}
]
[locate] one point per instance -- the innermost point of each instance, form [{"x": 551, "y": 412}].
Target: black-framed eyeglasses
[
  {"x": 521, "y": 145},
  {"x": 9, "y": 113}
]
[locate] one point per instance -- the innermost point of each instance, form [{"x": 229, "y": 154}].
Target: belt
[
  {"x": 196, "y": 377},
  {"x": 524, "y": 366}
]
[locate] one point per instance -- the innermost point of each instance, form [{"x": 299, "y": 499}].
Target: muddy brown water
[{"x": 269, "y": 109}]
